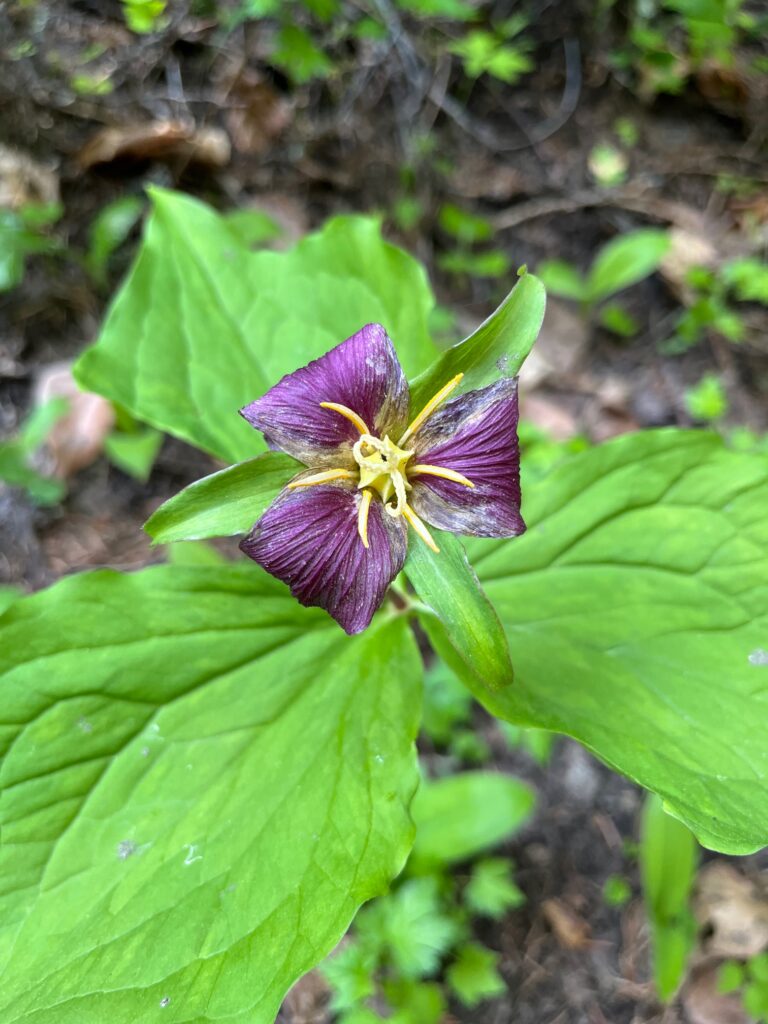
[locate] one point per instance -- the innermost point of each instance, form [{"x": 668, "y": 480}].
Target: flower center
[{"x": 382, "y": 468}]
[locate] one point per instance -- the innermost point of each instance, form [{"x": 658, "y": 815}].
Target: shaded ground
[{"x": 388, "y": 127}]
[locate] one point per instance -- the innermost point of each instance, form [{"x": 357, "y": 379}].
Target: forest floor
[{"x": 192, "y": 109}]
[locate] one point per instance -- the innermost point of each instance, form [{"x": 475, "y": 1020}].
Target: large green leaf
[
  {"x": 201, "y": 782},
  {"x": 203, "y": 325},
  {"x": 498, "y": 348},
  {"x": 223, "y": 503},
  {"x": 632, "y": 606}
]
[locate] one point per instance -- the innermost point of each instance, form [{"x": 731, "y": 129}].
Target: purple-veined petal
[
  {"x": 475, "y": 435},
  {"x": 309, "y": 540},
  {"x": 363, "y": 373}
]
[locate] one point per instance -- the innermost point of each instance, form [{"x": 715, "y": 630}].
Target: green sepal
[
  {"x": 224, "y": 503},
  {"x": 498, "y": 347},
  {"x": 460, "y": 620}
]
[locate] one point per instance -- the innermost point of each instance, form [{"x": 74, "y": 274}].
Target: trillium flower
[{"x": 338, "y": 532}]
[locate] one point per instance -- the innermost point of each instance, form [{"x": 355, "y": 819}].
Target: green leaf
[
  {"x": 415, "y": 1002},
  {"x": 625, "y": 261},
  {"x": 107, "y": 233},
  {"x": 672, "y": 945},
  {"x": 194, "y": 553},
  {"x": 669, "y": 855},
  {"x": 498, "y": 347},
  {"x": 252, "y": 228},
  {"x": 203, "y": 325},
  {"x": 756, "y": 1001},
  {"x": 410, "y": 927},
  {"x": 40, "y": 422},
  {"x": 447, "y": 704},
  {"x": 493, "y": 263},
  {"x": 616, "y": 319},
  {"x": 134, "y": 451},
  {"x": 466, "y": 814},
  {"x": 474, "y": 975},
  {"x": 465, "y": 226},
  {"x": 632, "y": 606},
  {"x": 350, "y": 973},
  {"x": 224, "y": 503},
  {"x": 7, "y": 596},
  {"x": 196, "y": 766},
  {"x": 457, "y": 10},
  {"x": 298, "y": 56},
  {"x": 748, "y": 278},
  {"x": 707, "y": 400},
  {"x": 730, "y": 977},
  {"x": 616, "y": 891},
  {"x": 459, "y": 618},
  {"x": 561, "y": 278},
  {"x": 491, "y": 890},
  {"x": 758, "y": 967}
]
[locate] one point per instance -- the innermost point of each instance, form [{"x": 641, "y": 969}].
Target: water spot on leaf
[
  {"x": 192, "y": 854},
  {"x": 84, "y": 725},
  {"x": 165, "y": 1001},
  {"x": 145, "y": 751},
  {"x": 502, "y": 363},
  {"x": 758, "y": 657},
  {"x": 126, "y": 848}
]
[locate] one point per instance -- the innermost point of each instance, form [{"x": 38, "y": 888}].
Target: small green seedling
[
  {"x": 498, "y": 53},
  {"x": 740, "y": 280},
  {"x": 22, "y": 234},
  {"x": 17, "y": 455},
  {"x": 616, "y": 891},
  {"x": 109, "y": 229},
  {"x": 621, "y": 263},
  {"x": 402, "y": 941},
  {"x": 469, "y": 230},
  {"x": 144, "y": 16},
  {"x": 752, "y": 979},
  {"x": 669, "y": 856},
  {"x": 707, "y": 401}
]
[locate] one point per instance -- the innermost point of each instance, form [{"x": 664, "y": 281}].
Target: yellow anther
[
  {"x": 323, "y": 478},
  {"x": 420, "y": 528},
  {"x": 446, "y": 474},
  {"x": 430, "y": 407},
  {"x": 358, "y": 421},
  {"x": 362, "y": 516}
]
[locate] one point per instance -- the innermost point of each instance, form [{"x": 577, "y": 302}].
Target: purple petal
[
  {"x": 475, "y": 435},
  {"x": 309, "y": 540},
  {"x": 362, "y": 373}
]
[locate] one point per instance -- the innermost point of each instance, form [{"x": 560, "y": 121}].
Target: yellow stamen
[
  {"x": 430, "y": 407},
  {"x": 446, "y": 474},
  {"x": 323, "y": 478},
  {"x": 358, "y": 421},
  {"x": 362, "y": 517},
  {"x": 420, "y": 528}
]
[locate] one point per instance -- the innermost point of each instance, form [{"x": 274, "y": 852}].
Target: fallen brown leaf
[
  {"x": 733, "y": 909},
  {"x": 157, "y": 140},
  {"x": 257, "y": 114}
]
